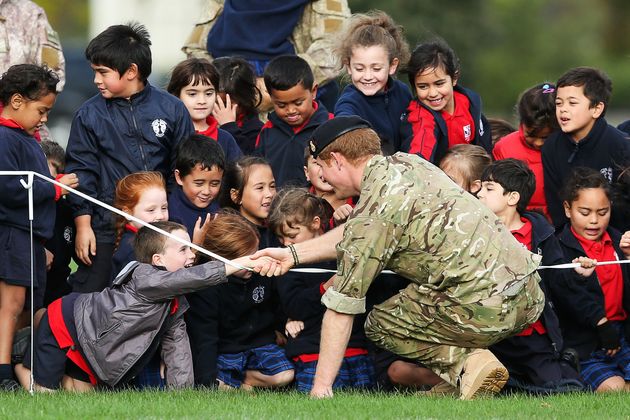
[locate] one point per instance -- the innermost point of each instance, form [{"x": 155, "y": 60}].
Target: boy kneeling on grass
[{"x": 107, "y": 337}]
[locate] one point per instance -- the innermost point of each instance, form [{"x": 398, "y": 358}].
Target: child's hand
[
  {"x": 342, "y": 213},
  {"x": 587, "y": 266},
  {"x": 50, "y": 257},
  {"x": 264, "y": 266},
  {"x": 293, "y": 328},
  {"x": 162, "y": 369},
  {"x": 224, "y": 113},
  {"x": 200, "y": 230},
  {"x": 85, "y": 241},
  {"x": 624, "y": 244},
  {"x": 71, "y": 180}
]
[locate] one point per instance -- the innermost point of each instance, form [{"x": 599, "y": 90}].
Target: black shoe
[
  {"x": 9, "y": 385},
  {"x": 21, "y": 343},
  {"x": 571, "y": 356}
]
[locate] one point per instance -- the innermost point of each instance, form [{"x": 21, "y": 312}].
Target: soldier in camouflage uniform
[
  {"x": 26, "y": 37},
  {"x": 472, "y": 283}
]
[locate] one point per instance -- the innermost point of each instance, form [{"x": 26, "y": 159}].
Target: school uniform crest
[
  {"x": 159, "y": 127},
  {"x": 607, "y": 172},
  {"x": 467, "y": 132},
  {"x": 258, "y": 294}
]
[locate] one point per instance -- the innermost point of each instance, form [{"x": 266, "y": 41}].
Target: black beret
[{"x": 332, "y": 129}]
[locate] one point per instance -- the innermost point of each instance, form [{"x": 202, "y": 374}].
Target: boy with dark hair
[
  {"x": 131, "y": 126},
  {"x": 199, "y": 169},
  {"x": 585, "y": 138},
  {"x": 532, "y": 356},
  {"x": 107, "y": 337},
  {"x": 289, "y": 81}
]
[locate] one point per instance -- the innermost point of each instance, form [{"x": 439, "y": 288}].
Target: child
[
  {"x": 536, "y": 109},
  {"x": 109, "y": 336},
  {"x": 295, "y": 116},
  {"x": 371, "y": 48},
  {"x": 585, "y": 138},
  {"x": 131, "y": 126},
  {"x": 499, "y": 128},
  {"x": 232, "y": 327},
  {"x": 61, "y": 245},
  {"x": 195, "y": 82},
  {"x": 443, "y": 114},
  {"x": 464, "y": 164},
  {"x": 532, "y": 357},
  {"x": 237, "y": 101},
  {"x": 198, "y": 172},
  {"x": 142, "y": 195},
  {"x": 297, "y": 216},
  {"x": 341, "y": 209},
  {"x": 27, "y": 93},
  {"x": 248, "y": 187},
  {"x": 593, "y": 312}
]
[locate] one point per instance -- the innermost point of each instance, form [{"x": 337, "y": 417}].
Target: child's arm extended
[
  {"x": 177, "y": 355},
  {"x": 160, "y": 285}
]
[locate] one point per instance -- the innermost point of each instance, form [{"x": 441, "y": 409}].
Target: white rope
[{"x": 129, "y": 217}]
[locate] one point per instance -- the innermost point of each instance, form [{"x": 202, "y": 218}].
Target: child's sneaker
[
  {"x": 483, "y": 374},
  {"x": 9, "y": 385}
]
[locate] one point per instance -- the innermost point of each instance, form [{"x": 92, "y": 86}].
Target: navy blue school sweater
[
  {"x": 112, "y": 138},
  {"x": 579, "y": 301},
  {"x": 245, "y": 132},
  {"x": 124, "y": 254},
  {"x": 605, "y": 149},
  {"x": 383, "y": 111},
  {"x": 230, "y": 318},
  {"x": 255, "y": 29},
  {"x": 181, "y": 210},
  {"x": 300, "y": 295},
  {"x": 433, "y": 144},
  {"x": 231, "y": 150},
  {"x": 19, "y": 151},
  {"x": 284, "y": 148}
]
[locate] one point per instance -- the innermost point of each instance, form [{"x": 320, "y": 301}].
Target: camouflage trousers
[{"x": 441, "y": 337}]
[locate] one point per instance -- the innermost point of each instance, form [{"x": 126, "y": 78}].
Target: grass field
[{"x": 263, "y": 405}]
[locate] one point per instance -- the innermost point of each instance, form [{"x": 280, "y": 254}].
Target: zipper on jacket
[
  {"x": 575, "y": 151},
  {"x": 139, "y": 141}
]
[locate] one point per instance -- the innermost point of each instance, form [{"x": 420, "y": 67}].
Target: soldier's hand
[{"x": 281, "y": 255}]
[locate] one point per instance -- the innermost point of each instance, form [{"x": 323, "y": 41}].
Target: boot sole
[{"x": 489, "y": 384}]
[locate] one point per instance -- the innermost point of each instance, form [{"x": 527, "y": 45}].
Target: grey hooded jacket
[{"x": 115, "y": 327}]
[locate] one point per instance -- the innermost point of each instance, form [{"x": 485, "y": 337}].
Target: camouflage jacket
[
  {"x": 26, "y": 37},
  {"x": 412, "y": 219},
  {"x": 312, "y": 38}
]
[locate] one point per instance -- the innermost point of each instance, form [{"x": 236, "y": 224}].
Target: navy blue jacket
[
  {"x": 605, "y": 149},
  {"x": 181, "y": 210},
  {"x": 20, "y": 152},
  {"x": 245, "y": 132},
  {"x": 424, "y": 130},
  {"x": 284, "y": 149},
  {"x": 383, "y": 111},
  {"x": 230, "y": 318},
  {"x": 580, "y": 300},
  {"x": 301, "y": 301},
  {"x": 625, "y": 127},
  {"x": 124, "y": 254},
  {"x": 112, "y": 138}
]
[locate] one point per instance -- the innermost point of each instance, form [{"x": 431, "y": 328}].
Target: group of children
[{"x": 197, "y": 162}]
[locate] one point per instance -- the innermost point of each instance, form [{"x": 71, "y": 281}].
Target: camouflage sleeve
[
  {"x": 366, "y": 249},
  {"x": 50, "y": 52},
  {"x": 197, "y": 43},
  {"x": 315, "y": 35}
]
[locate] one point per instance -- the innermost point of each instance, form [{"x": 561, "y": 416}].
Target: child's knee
[
  {"x": 397, "y": 371},
  {"x": 283, "y": 378},
  {"x": 615, "y": 383}
]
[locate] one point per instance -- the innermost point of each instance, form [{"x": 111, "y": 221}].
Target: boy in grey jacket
[{"x": 107, "y": 337}]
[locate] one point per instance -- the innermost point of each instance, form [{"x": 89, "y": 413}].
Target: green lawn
[{"x": 214, "y": 404}]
